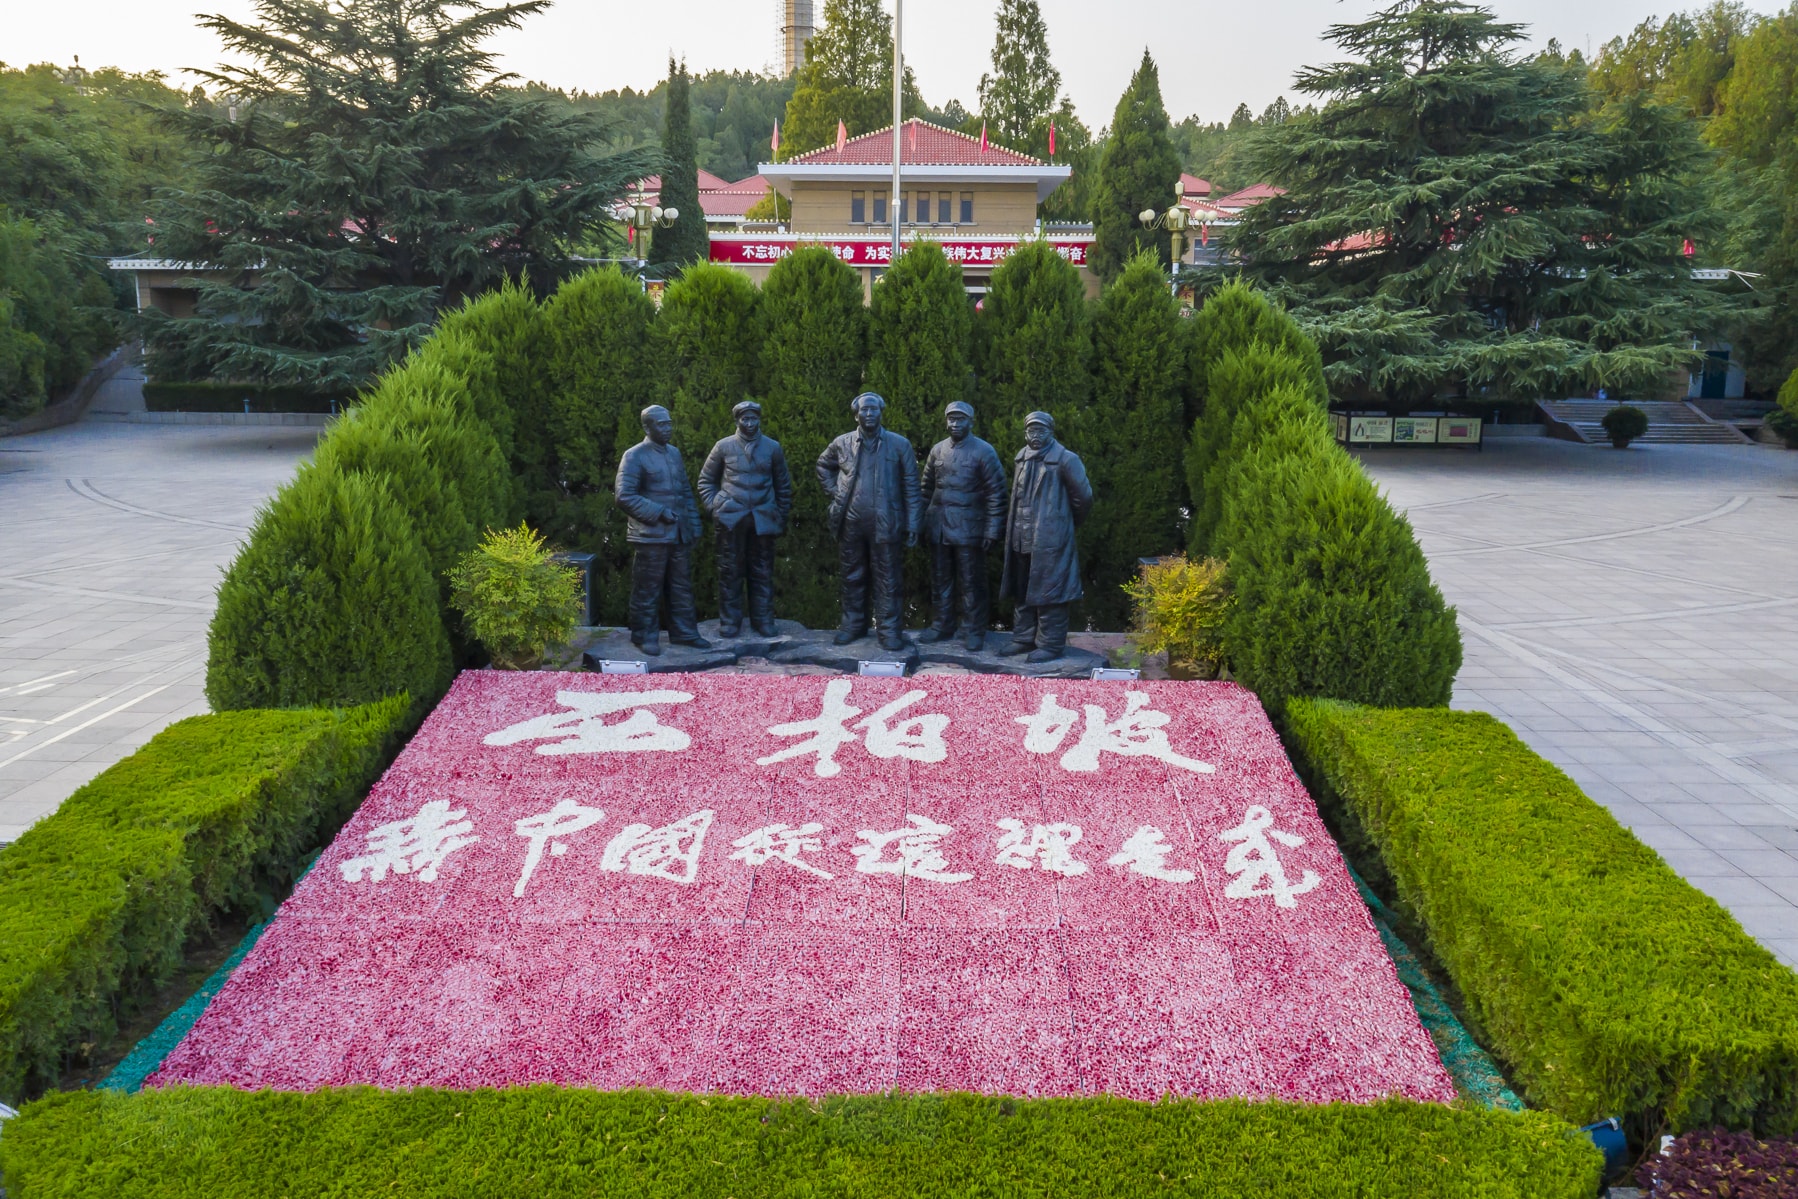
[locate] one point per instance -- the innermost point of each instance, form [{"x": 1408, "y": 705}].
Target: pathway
[
  {"x": 1634, "y": 616},
  {"x": 110, "y": 551}
]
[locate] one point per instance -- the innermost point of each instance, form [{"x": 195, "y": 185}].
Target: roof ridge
[{"x": 888, "y": 128}]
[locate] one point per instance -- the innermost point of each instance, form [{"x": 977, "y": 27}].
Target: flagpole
[{"x": 897, "y": 202}]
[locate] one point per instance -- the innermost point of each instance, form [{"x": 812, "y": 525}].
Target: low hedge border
[
  {"x": 1605, "y": 982},
  {"x": 527, "y": 1142},
  {"x": 215, "y": 814}
]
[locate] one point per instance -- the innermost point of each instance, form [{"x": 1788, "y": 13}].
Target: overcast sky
[{"x": 1212, "y": 56}]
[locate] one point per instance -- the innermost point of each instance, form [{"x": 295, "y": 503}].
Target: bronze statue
[
  {"x": 872, "y": 477},
  {"x": 1050, "y": 497},
  {"x": 652, "y": 489},
  {"x": 745, "y": 486},
  {"x": 964, "y": 513}
]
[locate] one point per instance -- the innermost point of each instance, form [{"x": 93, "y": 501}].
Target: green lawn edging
[
  {"x": 528, "y": 1142},
  {"x": 215, "y": 814},
  {"x": 1606, "y": 983}
]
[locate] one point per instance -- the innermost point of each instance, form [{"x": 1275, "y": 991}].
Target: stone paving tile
[
  {"x": 1657, "y": 665},
  {"x": 110, "y": 555}
]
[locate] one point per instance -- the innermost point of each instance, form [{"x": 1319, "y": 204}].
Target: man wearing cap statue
[
  {"x": 652, "y": 489},
  {"x": 1049, "y": 498},
  {"x": 871, "y": 476},
  {"x": 964, "y": 513},
  {"x": 745, "y": 486}
]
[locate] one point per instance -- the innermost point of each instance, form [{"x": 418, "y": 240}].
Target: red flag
[
  {"x": 1051, "y": 139},
  {"x": 777, "y": 139},
  {"x": 1689, "y": 249},
  {"x": 914, "y": 138},
  {"x": 983, "y": 137},
  {"x": 1204, "y": 235},
  {"x": 842, "y": 135}
]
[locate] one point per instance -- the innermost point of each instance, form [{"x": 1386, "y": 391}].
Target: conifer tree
[
  {"x": 920, "y": 341},
  {"x": 847, "y": 76},
  {"x": 1020, "y": 93},
  {"x": 685, "y": 241},
  {"x": 1137, "y": 171},
  {"x": 1235, "y": 380},
  {"x": 1130, "y": 436},
  {"x": 816, "y": 339},
  {"x": 370, "y": 170},
  {"x": 1031, "y": 344},
  {"x": 1459, "y": 218}
]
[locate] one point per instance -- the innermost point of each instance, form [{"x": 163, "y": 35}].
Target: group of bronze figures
[{"x": 880, "y": 503}]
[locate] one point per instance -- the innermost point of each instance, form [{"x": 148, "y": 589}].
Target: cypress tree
[
  {"x": 1233, "y": 316},
  {"x": 1137, "y": 171},
  {"x": 685, "y": 241},
  {"x": 329, "y": 604},
  {"x": 816, "y": 342},
  {"x": 1031, "y": 345},
  {"x": 1130, "y": 437},
  {"x": 598, "y": 329},
  {"x": 1236, "y": 380},
  {"x": 920, "y": 342}
]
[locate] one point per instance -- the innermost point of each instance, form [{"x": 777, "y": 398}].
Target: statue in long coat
[{"x": 1050, "y": 497}]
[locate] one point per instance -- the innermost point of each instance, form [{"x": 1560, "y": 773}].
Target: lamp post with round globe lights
[
  {"x": 645, "y": 218},
  {"x": 1174, "y": 220}
]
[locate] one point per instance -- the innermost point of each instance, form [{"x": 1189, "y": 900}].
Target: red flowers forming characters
[{"x": 769, "y": 885}]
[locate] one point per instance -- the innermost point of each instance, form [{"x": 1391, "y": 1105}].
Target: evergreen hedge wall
[
  {"x": 98, "y": 899},
  {"x": 541, "y": 1142}
]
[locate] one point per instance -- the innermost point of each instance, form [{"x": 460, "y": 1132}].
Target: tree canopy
[
  {"x": 1019, "y": 95},
  {"x": 1461, "y": 218},
  {"x": 847, "y": 76},
  {"x": 1137, "y": 170},
  {"x": 686, "y": 240},
  {"x": 370, "y": 168}
]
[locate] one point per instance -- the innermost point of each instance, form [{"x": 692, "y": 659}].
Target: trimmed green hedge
[
  {"x": 1607, "y": 984},
  {"x": 98, "y": 899},
  {"x": 544, "y": 1141}
]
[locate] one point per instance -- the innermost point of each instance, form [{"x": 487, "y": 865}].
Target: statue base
[{"x": 1074, "y": 663}]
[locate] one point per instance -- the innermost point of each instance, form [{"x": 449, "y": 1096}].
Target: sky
[{"x": 1212, "y": 57}]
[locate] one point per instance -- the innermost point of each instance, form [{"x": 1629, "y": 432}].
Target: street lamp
[
  {"x": 1174, "y": 220},
  {"x": 645, "y": 217}
]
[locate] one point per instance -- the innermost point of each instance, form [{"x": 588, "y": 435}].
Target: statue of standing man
[
  {"x": 745, "y": 486},
  {"x": 653, "y": 490},
  {"x": 1050, "y": 497},
  {"x": 871, "y": 475},
  {"x": 964, "y": 514}
]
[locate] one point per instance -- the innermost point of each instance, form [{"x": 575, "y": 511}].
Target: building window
[
  {"x": 880, "y": 208},
  {"x": 967, "y": 208},
  {"x": 942, "y": 207},
  {"x": 858, "y": 208},
  {"x": 923, "y": 208}
]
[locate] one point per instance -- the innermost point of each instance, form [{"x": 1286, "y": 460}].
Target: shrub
[
  {"x": 1032, "y": 345},
  {"x": 1234, "y": 317},
  {"x": 545, "y": 1141},
  {"x": 1129, "y": 437},
  {"x": 516, "y": 598},
  {"x": 1235, "y": 379},
  {"x": 1333, "y": 597},
  {"x": 212, "y": 396},
  {"x": 920, "y": 341},
  {"x": 707, "y": 345},
  {"x": 98, "y": 899},
  {"x": 1624, "y": 424},
  {"x": 1606, "y": 983},
  {"x": 1716, "y": 1162},
  {"x": 51, "y": 326},
  {"x": 330, "y": 603},
  {"x": 816, "y": 342},
  {"x": 1784, "y": 419},
  {"x": 429, "y": 406},
  {"x": 1180, "y": 611}
]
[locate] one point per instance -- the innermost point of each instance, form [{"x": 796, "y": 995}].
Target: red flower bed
[{"x": 768, "y": 885}]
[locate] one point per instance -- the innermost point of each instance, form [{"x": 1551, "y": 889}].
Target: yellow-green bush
[
  {"x": 515, "y": 597},
  {"x": 1181, "y": 606}
]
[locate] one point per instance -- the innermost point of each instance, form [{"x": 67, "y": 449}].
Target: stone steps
[{"x": 1669, "y": 423}]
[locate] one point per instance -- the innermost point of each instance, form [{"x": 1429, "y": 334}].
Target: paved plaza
[
  {"x": 1634, "y": 616},
  {"x": 111, "y": 545}
]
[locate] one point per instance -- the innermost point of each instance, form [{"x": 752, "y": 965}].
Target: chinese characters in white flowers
[
  {"x": 563, "y": 820},
  {"x": 1257, "y": 868},
  {"x": 781, "y": 843},
  {"x": 1146, "y": 852},
  {"x": 670, "y": 852},
  {"x": 416, "y": 846},
  {"x": 918, "y": 851},
  {"x": 919, "y": 737},
  {"x": 584, "y": 729},
  {"x": 1021, "y": 845},
  {"x": 1138, "y": 733}
]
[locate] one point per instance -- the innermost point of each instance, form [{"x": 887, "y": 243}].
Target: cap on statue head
[
  {"x": 653, "y": 412},
  {"x": 1040, "y": 418},
  {"x": 956, "y": 406},
  {"x": 745, "y": 406},
  {"x": 856, "y": 403}
]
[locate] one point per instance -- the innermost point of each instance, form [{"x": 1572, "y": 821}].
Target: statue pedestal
[
  {"x": 795, "y": 645},
  {"x": 820, "y": 649},
  {"x": 1074, "y": 663}
]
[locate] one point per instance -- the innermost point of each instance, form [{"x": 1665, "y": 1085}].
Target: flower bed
[{"x": 780, "y": 886}]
